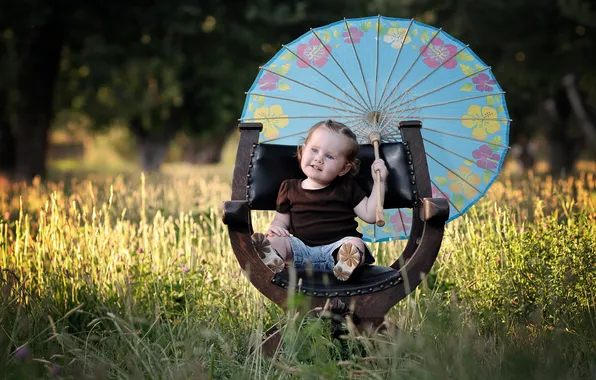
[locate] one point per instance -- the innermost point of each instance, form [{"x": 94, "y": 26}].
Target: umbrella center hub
[{"x": 373, "y": 117}]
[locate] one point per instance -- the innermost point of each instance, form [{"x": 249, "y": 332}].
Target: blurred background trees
[{"x": 181, "y": 67}]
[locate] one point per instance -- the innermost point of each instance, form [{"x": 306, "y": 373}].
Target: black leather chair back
[{"x": 272, "y": 164}]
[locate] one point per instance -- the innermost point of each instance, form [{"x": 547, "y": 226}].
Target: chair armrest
[
  {"x": 236, "y": 213},
  {"x": 434, "y": 210}
]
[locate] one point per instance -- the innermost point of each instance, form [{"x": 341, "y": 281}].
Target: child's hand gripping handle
[{"x": 375, "y": 138}]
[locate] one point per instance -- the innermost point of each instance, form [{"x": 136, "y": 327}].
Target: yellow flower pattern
[
  {"x": 464, "y": 181},
  {"x": 483, "y": 121},
  {"x": 395, "y": 36},
  {"x": 273, "y": 119}
]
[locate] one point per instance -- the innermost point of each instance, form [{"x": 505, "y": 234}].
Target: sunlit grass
[{"x": 133, "y": 276}]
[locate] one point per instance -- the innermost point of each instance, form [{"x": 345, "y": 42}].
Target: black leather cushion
[
  {"x": 365, "y": 279},
  {"x": 272, "y": 164}
]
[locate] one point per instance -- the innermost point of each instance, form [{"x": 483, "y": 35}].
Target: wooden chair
[{"x": 372, "y": 290}]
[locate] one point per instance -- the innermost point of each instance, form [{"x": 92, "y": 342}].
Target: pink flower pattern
[
  {"x": 401, "y": 223},
  {"x": 437, "y": 52},
  {"x": 313, "y": 53},
  {"x": 486, "y": 158},
  {"x": 356, "y": 35},
  {"x": 436, "y": 193},
  {"x": 483, "y": 82},
  {"x": 268, "y": 82}
]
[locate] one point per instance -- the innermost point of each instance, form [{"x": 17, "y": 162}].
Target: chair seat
[{"x": 365, "y": 279}]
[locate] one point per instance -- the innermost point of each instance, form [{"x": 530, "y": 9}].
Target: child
[{"x": 319, "y": 211}]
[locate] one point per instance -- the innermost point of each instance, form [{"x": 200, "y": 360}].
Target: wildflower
[{"x": 22, "y": 353}]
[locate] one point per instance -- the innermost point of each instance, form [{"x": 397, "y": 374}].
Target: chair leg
[{"x": 272, "y": 342}]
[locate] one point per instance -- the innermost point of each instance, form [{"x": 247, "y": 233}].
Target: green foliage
[{"x": 129, "y": 278}]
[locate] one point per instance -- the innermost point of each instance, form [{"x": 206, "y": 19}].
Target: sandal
[
  {"x": 348, "y": 259},
  {"x": 268, "y": 254}
]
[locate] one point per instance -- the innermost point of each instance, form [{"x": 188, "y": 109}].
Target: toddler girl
[{"x": 315, "y": 216}]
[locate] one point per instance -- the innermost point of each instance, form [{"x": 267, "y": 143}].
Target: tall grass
[{"x": 134, "y": 277}]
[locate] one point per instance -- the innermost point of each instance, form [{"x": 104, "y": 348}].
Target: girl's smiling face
[{"x": 324, "y": 158}]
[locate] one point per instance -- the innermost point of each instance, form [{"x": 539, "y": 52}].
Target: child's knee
[{"x": 281, "y": 245}]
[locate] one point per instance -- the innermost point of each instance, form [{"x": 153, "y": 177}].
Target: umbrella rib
[
  {"x": 285, "y": 137},
  {"x": 301, "y": 102},
  {"x": 464, "y": 118},
  {"x": 403, "y": 224},
  {"x": 427, "y": 75},
  {"x": 396, "y": 59},
  {"x": 359, "y": 63},
  {"x": 446, "y": 196},
  {"x": 377, "y": 60},
  {"x": 451, "y": 101},
  {"x": 325, "y": 76},
  {"x": 298, "y": 117},
  {"x": 314, "y": 89},
  {"x": 455, "y": 173},
  {"x": 363, "y": 104},
  {"x": 383, "y": 105},
  {"x": 460, "y": 156},
  {"x": 447, "y": 85},
  {"x": 463, "y": 137}
]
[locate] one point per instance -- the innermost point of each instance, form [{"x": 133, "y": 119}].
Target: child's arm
[
  {"x": 366, "y": 209},
  {"x": 279, "y": 226}
]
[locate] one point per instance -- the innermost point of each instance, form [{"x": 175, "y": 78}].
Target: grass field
[{"x": 134, "y": 277}]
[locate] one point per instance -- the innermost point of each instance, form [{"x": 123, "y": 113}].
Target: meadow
[{"x": 133, "y": 276}]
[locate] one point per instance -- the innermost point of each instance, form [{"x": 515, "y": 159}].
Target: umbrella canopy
[{"x": 370, "y": 73}]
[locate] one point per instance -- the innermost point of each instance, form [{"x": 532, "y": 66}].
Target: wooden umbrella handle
[{"x": 375, "y": 138}]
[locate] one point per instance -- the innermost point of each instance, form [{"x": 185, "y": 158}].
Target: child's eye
[
  {"x": 314, "y": 150},
  {"x": 329, "y": 156}
]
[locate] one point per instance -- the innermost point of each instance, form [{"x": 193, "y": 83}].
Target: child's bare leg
[
  {"x": 267, "y": 252},
  {"x": 282, "y": 245}
]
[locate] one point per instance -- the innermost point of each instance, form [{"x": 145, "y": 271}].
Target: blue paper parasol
[{"x": 392, "y": 69}]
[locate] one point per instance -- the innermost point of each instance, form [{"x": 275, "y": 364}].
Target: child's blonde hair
[{"x": 342, "y": 129}]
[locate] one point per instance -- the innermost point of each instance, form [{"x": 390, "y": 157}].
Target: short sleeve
[
  {"x": 356, "y": 194},
  {"x": 282, "y": 205}
]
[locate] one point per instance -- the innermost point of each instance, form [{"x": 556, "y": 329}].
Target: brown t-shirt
[{"x": 322, "y": 216}]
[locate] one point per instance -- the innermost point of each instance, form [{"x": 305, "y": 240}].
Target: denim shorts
[{"x": 320, "y": 257}]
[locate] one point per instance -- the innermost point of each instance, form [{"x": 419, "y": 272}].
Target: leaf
[
  {"x": 487, "y": 176},
  {"x": 495, "y": 143},
  {"x": 479, "y": 67},
  {"x": 464, "y": 57},
  {"x": 500, "y": 109},
  {"x": 382, "y": 29},
  {"x": 288, "y": 57},
  {"x": 326, "y": 36},
  {"x": 467, "y": 70},
  {"x": 260, "y": 100},
  {"x": 251, "y": 107},
  {"x": 469, "y": 163},
  {"x": 336, "y": 33},
  {"x": 394, "y": 24},
  {"x": 490, "y": 100},
  {"x": 414, "y": 47},
  {"x": 365, "y": 27},
  {"x": 415, "y": 32},
  {"x": 424, "y": 37},
  {"x": 283, "y": 69},
  {"x": 467, "y": 87},
  {"x": 442, "y": 181},
  {"x": 283, "y": 86},
  {"x": 336, "y": 46},
  {"x": 458, "y": 201},
  {"x": 498, "y": 98}
]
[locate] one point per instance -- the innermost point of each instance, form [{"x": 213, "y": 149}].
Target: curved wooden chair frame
[{"x": 376, "y": 289}]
